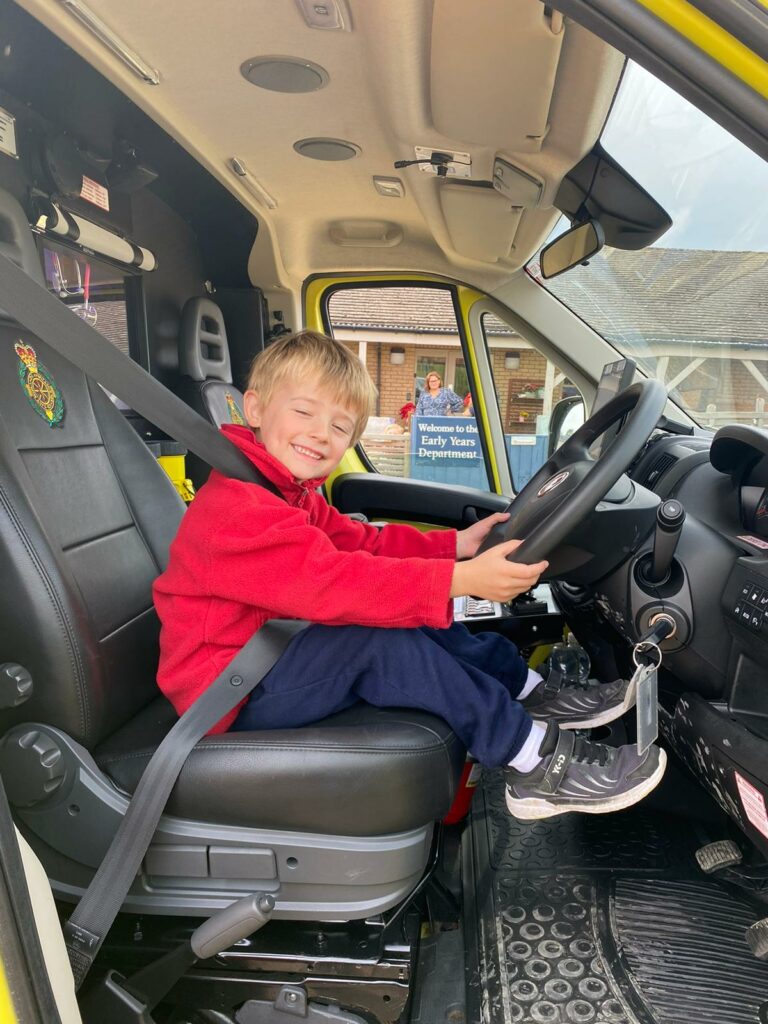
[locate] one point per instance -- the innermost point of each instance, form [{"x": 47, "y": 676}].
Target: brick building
[
  {"x": 401, "y": 333},
  {"x": 696, "y": 320}
]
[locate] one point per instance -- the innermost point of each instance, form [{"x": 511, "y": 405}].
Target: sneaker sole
[
  {"x": 602, "y": 717},
  {"x": 531, "y": 809}
]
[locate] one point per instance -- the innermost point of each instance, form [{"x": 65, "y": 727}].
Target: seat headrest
[
  {"x": 203, "y": 348},
  {"x": 16, "y": 241}
]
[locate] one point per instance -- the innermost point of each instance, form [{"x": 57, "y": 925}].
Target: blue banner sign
[
  {"x": 446, "y": 449},
  {"x": 445, "y": 439}
]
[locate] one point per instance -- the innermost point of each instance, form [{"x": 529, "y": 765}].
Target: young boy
[{"x": 379, "y": 602}]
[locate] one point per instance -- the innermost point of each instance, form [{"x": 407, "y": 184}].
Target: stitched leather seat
[{"x": 86, "y": 519}]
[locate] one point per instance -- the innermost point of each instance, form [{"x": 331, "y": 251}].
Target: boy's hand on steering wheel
[
  {"x": 469, "y": 540},
  {"x": 493, "y": 577}
]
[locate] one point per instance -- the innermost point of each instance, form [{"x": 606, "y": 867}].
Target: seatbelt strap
[
  {"x": 40, "y": 312},
  {"x": 92, "y": 918},
  {"x": 33, "y": 306}
]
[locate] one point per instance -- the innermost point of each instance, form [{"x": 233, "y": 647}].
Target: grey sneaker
[
  {"x": 580, "y": 705},
  {"x": 576, "y": 775}
]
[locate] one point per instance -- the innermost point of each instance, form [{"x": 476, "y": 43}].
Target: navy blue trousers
[{"x": 470, "y": 681}]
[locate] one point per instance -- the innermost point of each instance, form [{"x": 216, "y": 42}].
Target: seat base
[{"x": 195, "y": 867}]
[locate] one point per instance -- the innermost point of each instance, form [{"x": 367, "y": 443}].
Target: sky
[{"x": 714, "y": 187}]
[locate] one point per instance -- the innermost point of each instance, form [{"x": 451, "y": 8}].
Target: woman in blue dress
[{"x": 435, "y": 400}]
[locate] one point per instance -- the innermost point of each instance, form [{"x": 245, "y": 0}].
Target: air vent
[{"x": 657, "y": 469}]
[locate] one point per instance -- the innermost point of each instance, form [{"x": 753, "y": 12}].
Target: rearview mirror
[{"x": 573, "y": 247}]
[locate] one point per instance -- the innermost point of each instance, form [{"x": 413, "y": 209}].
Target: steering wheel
[{"x": 571, "y": 483}]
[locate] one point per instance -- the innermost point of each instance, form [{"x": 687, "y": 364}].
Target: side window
[
  {"x": 93, "y": 289},
  {"x": 527, "y": 386},
  {"x": 423, "y": 424}
]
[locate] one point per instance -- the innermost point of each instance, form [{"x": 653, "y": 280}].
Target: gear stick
[{"x": 670, "y": 517}]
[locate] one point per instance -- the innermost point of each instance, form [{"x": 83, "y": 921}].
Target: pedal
[
  {"x": 757, "y": 938},
  {"x": 716, "y": 856}
]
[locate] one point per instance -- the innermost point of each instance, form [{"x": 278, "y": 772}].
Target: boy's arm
[
  {"x": 272, "y": 557},
  {"x": 393, "y": 541}
]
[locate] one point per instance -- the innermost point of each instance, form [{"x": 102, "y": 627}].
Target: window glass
[
  {"x": 690, "y": 309},
  {"x": 94, "y": 290},
  {"x": 527, "y": 387},
  {"x": 404, "y": 334}
]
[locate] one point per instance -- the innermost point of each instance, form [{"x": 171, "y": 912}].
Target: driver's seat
[{"x": 335, "y": 819}]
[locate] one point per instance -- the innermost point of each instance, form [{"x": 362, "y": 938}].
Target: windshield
[{"x": 693, "y": 308}]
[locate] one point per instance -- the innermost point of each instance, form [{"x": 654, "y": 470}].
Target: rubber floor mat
[{"x": 601, "y": 919}]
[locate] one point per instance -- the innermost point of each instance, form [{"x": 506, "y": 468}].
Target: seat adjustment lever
[{"x": 130, "y": 1000}]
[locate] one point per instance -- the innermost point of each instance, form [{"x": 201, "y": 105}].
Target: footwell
[{"x": 602, "y": 920}]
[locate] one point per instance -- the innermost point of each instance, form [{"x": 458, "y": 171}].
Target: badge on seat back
[{"x": 39, "y": 386}]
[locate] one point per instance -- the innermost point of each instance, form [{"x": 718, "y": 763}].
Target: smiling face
[
  {"x": 302, "y": 426},
  {"x": 433, "y": 382}
]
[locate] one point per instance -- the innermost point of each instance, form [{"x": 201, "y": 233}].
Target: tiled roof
[
  {"x": 428, "y": 310},
  {"x": 670, "y": 295},
  {"x": 684, "y": 295}
]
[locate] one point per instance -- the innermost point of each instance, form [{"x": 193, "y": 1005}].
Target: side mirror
[
  {"x": 573, "y": 247},
  {"x": 567, "y": 416}
]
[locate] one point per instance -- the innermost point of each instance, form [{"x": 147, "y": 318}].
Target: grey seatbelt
[
  {"x": 35, "y": 308},
  {"x": 92, "y": 918},
  {"x": 40, "y": 312}
]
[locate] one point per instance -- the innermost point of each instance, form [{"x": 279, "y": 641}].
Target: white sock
[
  {"x": 530, "y": 684},
  {"x": 528, "y": 757}
]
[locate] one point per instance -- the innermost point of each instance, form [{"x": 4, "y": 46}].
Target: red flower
[{"x": 407, "y": 410}]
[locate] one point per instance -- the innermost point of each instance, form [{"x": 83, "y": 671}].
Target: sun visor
[
  {"x": 482, "y": 224},
  {"x": 601, "y": 189}
]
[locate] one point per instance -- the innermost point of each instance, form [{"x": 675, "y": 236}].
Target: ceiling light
[
  {"x": 284, "y": 74},
  {"x": 326, "y": 149},
  {"x": 247, "y": 179},
  {"x": 105, "y": 35},
  {"x": 327, "y": 14},
  {"x": 389, "y": 186}
]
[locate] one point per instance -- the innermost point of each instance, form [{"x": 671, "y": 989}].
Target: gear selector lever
[{"x": 670, "y": 517}]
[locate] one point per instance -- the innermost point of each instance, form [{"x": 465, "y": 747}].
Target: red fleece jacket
[{"x": 242, "y": 556}]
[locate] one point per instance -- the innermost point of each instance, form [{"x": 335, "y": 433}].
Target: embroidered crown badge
[
  {"x": 39, "y": 386},
  {"x": 235, "y": 415}
]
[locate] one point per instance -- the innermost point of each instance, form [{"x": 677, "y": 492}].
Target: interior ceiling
[{"x": 490, "y": 78}]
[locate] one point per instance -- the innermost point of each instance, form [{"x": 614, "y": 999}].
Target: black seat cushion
[{"x": 365, "y": 771}]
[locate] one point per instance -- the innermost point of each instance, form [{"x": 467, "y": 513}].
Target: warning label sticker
[
  {"x": 94, "y": 193},
  {"x": 756, "y": 542},
  {"x": 753, "y": 802}
]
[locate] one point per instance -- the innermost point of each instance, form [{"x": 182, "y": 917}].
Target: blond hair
[{"x": 333, "y": 367}]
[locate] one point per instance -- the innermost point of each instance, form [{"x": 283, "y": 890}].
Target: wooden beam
[
  {"x": 685, "y": 372},
  {"x": 756, "y": 374}
]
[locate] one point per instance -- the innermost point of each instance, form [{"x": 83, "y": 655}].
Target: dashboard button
[
  {"x": 756, "y": 620},
  {"x": 737, "y": 609},
  {"x": 763, "y": 602},
  {"x": 755, "y": 594},
  {"x": 746, "y": 589},
  {"x": 746, "y": 616}
]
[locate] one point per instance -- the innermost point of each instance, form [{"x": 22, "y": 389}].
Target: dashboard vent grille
[{"x": 657, "y": 468}]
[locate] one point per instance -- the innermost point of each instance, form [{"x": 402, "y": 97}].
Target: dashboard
[
  {"x": 714, "y": 677},
  {"x": 717, "y": 588}
]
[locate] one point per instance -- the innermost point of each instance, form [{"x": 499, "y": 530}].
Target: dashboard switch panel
[{"x": 750, "y": 607}]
